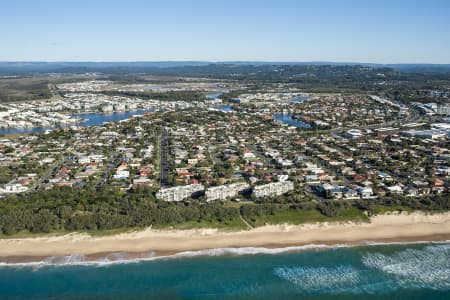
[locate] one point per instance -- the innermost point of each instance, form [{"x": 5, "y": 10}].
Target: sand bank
[{"x": 383, "y": 228}]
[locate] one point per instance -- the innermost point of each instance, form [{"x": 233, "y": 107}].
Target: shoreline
[
  {"x": 110, "y": 258},
  {"x": 150, "y": 244}
]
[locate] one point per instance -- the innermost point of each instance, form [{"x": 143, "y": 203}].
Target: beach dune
[{"x": 382, "y": 228}]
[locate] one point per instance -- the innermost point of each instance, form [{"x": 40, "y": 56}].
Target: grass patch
[
  {"x": 26, "y": 234},
  {"x": 226, "y": 224},
  {"x": 382, "y": 209},
  {"x": 97, "y": 233},
  {"x": 295, "y": 217},
  {"x": 107, "y": 232},
  {"x": 238, "y": 204}
]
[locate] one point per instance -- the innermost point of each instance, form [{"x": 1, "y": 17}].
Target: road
[
  {"x": 164, "y": 167},
  {"x": 112, "y": 163},
  {"x": 49, "y": 175},
  {"x": 212, "y": 153}
]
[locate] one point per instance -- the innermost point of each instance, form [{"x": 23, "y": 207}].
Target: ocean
[{"x": 383, "y": 271}]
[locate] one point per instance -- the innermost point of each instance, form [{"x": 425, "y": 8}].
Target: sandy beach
[{"x": 383, "y": 228}]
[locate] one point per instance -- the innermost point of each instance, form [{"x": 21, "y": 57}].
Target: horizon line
[{"x": 224, "y": 62}]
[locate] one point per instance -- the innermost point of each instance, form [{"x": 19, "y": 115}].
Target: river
[
  {"x": 90, "y": 119},
  {"x": 287, "y": 119}
]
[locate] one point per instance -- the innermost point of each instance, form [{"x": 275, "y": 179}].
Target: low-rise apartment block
[
  {"x": 273, "y": 189},
  {"x": 178, "y": 193},
  {"x": 225, "y": 191}
]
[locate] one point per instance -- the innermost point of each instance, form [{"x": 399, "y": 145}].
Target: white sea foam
[
  {"x": 253, "y": 250},
  {"x": 321, "y": 279},
  {"x": 371, "y": 243},
  {"x": 123, "y": 257},
  {"x": 73, "y": 259},
  {"x": 415, "y": 268},
  {"x": 65, "y": 260},
  {"x": 80, "y": 260}
]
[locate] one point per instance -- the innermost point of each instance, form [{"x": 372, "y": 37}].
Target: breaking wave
[
  {"x": 253, "y": 250},
  {"x": 125, "y": 258},
  {"x": 80, "y": 260},
  {"x": 415, "y": 268},
  {"x": 321, "y": 279}
]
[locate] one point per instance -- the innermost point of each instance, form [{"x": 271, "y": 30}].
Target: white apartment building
[
  {"x": 13, "y": 188},
  {"x": 443, "y": 110},
  {"x": 107, "y": 108},
  {"x": 273, "y": 189},
  {"x": 178, "y": 193},
  {"x": 225, "y": 191},
  {"x": 354, "y": 133},
  {"x": 119, "y": 107},
  {"x": 365, "y": 192},
  {"x": 121, "y": 174}
]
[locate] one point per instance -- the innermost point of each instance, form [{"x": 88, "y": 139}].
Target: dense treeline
[
  {"x": 83, "y": 209},
  {"x": 195, "y": 68},
  {"x": 23, "y": 89},
  {"x": 402, "y": 84},
  {"x": 188, "y": 96},
  {"x": 425, "y": 203},
  {"x": 67, "y": 209}
]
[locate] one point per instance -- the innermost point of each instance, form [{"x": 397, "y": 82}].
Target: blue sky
[{"x": 379, "y": 31}]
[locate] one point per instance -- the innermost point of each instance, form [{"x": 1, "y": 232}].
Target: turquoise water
[
  {"x": 420, "y": 271},
  {"x": 213, "y": 95},
  {"x": 96, "y": 119},
  {"x": 299, "y": 99},
  {"x": 287, "y": 119},
  {"x": 225, "y": 108}
]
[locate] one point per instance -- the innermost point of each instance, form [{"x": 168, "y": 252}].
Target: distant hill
[{"x": 8, "y": 68}]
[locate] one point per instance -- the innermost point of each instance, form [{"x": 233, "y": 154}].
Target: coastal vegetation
[{"x": 66, "y": 210}]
